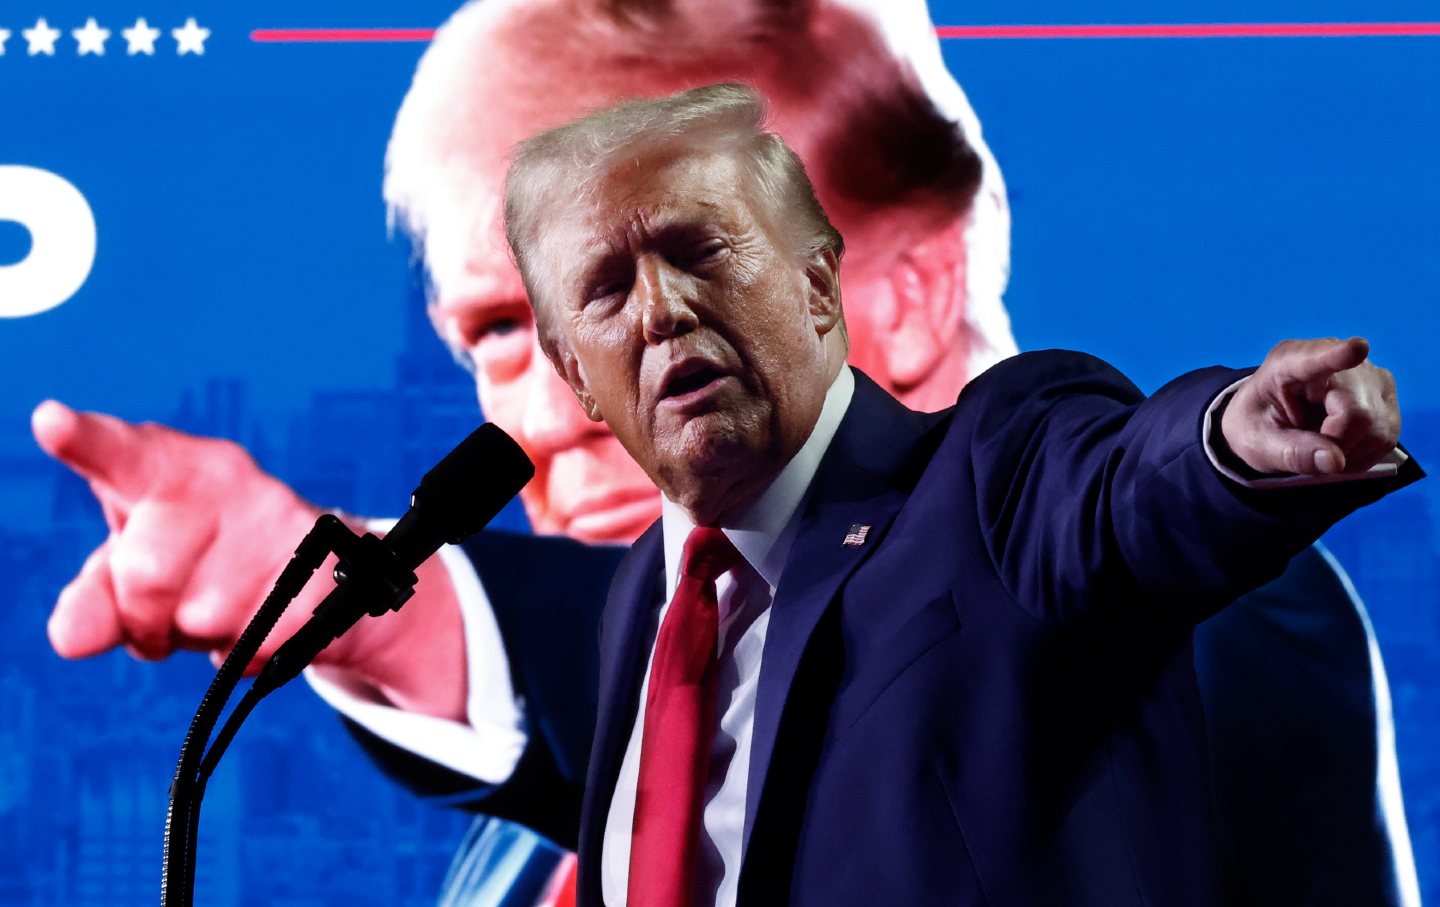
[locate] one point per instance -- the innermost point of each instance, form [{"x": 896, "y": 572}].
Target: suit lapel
[
  {"x": 637, "y": 588},
  {"x": 860, "y": 483}
]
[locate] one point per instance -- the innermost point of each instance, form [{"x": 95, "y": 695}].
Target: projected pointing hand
[{"x": 198, "y": 532}]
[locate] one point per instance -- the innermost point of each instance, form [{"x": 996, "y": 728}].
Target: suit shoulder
[
  {"x": 1051, "y": 372},
  {"x": 1001, "y": 411}
]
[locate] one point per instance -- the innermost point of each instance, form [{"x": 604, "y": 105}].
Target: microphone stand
[{"x": 370, "y": 580}]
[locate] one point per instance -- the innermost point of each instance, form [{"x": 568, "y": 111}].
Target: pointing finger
[
  {"x": 120, "y": 460},
  {"x": 1307, "y": 361}
]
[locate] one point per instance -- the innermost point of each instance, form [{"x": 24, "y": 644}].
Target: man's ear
[
  {"x": 927, "y": 284},
  {"x": 573, "y": 374},
  {"x": 822, "y": 272},
  {"x": 588, "y": 404}
]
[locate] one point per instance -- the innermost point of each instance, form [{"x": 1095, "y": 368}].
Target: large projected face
[
  {"x": 499, "y": 72},
  {"x": 586, "y": 485}
]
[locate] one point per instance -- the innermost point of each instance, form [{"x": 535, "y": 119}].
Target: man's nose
[
  {"x": 665, "y": 303},
  {"x": 553, "y": 420}
]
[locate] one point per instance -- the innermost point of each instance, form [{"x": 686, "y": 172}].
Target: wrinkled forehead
[
  {"x": 634, "y": 201},
  {"x": 635, "y": 188},
  {"x": 462, "y": 194}
]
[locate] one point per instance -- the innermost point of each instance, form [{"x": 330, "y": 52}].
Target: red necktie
[{"x": 679, "y": 729}]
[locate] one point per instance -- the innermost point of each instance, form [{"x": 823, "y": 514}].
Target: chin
[
  {"x": 700, "y": 469},
  {"x": 716, "y": 443}
]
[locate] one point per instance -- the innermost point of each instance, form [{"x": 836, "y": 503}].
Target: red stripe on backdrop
[
  {"x": 347, "y": 35},
  {"x": 972, "y": 32},
  {"x": 1188, "y": 30}
]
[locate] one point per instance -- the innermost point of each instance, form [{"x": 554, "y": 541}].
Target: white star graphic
[
  {"x": 91, "y": 39},
  {"x": 190, "y": 39},
  {"x": 41, "y": 38},
  {"x": 140, "y": 38},
  {"x": 4, "y": 36}
]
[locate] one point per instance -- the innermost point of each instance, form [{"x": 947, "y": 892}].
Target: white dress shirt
[
  {"x": 762, "y": 533},
  {"x": 488, "y": 746}
]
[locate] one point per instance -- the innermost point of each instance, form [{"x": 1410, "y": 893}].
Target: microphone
[
  {"x": 460, "y": 494},
  {"x": 455, "y": 499}
]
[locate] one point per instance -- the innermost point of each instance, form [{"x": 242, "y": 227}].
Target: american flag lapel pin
[{"x": 856, "y": 536}]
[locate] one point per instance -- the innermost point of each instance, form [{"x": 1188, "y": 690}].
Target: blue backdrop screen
[{"x": 1177, "y": 202}]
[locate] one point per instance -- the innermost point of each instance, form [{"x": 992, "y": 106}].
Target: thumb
[
  {"x": 1294, "y": 451},
  {"x": 120, "y": 459}
]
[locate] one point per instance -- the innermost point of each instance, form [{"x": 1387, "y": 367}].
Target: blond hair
[{"x": 565, "y": 162}]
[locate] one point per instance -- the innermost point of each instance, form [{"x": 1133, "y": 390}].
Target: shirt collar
[{"x": 762, "y": 531}]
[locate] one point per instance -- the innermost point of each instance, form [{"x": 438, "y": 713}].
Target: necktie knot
[{"x": 708, "y": 554}]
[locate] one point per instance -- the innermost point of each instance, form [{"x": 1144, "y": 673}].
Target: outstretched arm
[
  {"x": 1095, "y": 497},
  {"x": 198, "y": 532}
]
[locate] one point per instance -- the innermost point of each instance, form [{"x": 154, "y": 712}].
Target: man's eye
[
  {"x": 500, "y": 327},
  {"x": 499, "y": 346},
  {"x": 606, "y": 290},
  {"x": 706, "y": 252}
]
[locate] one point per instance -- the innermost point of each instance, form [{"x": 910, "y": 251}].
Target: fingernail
[{"x": 1325, "y": 462}]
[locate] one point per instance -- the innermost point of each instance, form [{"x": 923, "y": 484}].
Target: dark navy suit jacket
[{"x": 992, "y": 700}]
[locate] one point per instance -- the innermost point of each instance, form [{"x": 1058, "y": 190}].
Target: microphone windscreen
[{"x": 467, "y": 488}]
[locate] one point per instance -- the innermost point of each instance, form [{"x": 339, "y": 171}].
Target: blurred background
[{"x": 1177, "y": 202}]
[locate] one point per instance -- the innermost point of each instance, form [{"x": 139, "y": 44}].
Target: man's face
[
  {"x": 586, "y": 486},
  {"x": 684, "y": 320}
]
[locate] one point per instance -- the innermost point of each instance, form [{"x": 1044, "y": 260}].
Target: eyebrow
[
  {"x": 658, "y": 227},
  {"x": 600, "y": 250}
]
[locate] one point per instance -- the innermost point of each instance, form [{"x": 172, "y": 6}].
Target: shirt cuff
[
  {"x": 1386, "y": 467},
  {"x": 490, "y": 745}
]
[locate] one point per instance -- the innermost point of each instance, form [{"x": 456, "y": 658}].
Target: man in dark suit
[
  {"x": 1293, "y": 794},
  {"x": 953, "y": 649},
  {"x": 1248, "y": 798}
]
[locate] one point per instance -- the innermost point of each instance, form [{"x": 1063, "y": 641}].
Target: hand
[
  {"x": 198, "y": 533},
  {"x": 1314, "y": 407}
]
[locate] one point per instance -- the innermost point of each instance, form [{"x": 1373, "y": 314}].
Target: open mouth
[{"x": 689, "y": 377}]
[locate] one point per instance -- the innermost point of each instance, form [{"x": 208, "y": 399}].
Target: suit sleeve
[
  {"x": 547, "y": 594},
  {"x": 1093, "y": 497}
]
